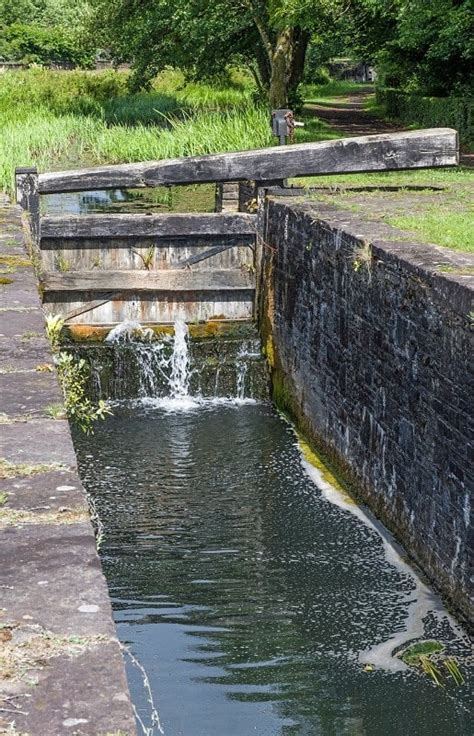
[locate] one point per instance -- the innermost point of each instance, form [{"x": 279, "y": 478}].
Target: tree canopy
[
  {"x": 45, "y": 31},
  {"x": 268, "y": 36}
]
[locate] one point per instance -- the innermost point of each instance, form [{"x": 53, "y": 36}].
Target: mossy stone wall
[{"x": 371, "y": 349}]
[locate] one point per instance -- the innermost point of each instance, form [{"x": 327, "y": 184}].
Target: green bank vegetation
[
  {"x": 73, "y": 376},
  {"x": 434, "y": 205},
  {"x": 61, "y": 119}
]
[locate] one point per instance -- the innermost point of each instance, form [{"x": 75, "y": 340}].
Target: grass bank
[
  {"x": 435, "y": 205},
  {"x": 60, "y": 119}
]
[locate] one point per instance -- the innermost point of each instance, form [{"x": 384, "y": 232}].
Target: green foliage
[
  {"x": 54, "y": 326},
  {"x": 34, "y": 44},
  {"x": 433, "y": 49},
  {"x": 45, "y": 32},
  {"x": 73, "y": 375},
  {"x": 430, "y": 112},
  {"x": 269, "y": 37},
  {"x": 51, "y": 119},
  {"x": 418, "y": 46}
]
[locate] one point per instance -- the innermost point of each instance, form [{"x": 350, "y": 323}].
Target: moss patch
[
  {"x": 197, "y": 331},
  {"x": 314, "y": 459},
  {"x": 11, "y": 263}
]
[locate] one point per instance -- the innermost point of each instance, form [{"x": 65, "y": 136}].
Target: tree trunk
[
  {"x": 287, "y": 65},
  {"x": 300, "y": 46},
  {"x": 281, "y": 64}
]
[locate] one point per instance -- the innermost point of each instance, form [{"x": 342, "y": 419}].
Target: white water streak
[
  {"x": 154, "y": 715},
  {"x": 420, "y": 602}
]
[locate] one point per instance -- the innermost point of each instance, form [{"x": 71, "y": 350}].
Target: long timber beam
[{"x": 387, "y": 152}]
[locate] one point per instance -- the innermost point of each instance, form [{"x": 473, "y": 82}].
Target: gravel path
[{"x": 347, "y": 115}]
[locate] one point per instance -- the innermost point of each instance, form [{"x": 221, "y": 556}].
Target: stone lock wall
[{"x": 370, "y": 339}]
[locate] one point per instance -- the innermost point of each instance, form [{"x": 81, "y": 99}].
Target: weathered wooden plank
[
  {"x": 142, "y": 281},
  {"x": 27, "y": 196},
  {"x": 91, "y": 305},
  {"x": 203, "y": 256},
  {"x": 390, "y": 151},
  {"x": 155, "y": 226}
]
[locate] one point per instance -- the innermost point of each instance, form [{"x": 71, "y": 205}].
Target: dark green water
[{"x": 253, "y": 601}]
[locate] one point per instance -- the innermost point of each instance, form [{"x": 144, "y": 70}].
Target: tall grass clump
[
  {"x": 194, "y": 135},
  {"x": 60, "y": 120}
]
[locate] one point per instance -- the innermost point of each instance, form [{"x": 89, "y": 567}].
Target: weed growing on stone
[
  {"x": 55, "y": 411},
  {"x": 22, "y": 470},
  {"x": 13, "y": 517},
  {"x": 147, "y": 258},
  {"x": 62, "y": 263},
  {"x": 362, "y": 258},
  {"x": 73, "y": 375},
  {"x": 54, "y": 325}
]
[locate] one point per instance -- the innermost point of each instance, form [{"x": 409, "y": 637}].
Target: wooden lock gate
[{"x": 154, "y": 268}]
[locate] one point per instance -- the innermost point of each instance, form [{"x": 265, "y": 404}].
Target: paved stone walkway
[{"x": 61, "y": 668}]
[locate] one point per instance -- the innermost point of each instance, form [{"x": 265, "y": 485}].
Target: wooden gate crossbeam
[
  {"x": 148, "y": 226},
  {"x": 387, "y": 152},
  {"x": 229, "y": 284}
]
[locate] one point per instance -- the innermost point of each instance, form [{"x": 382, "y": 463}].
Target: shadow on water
[{"x": 245, "y": 593}]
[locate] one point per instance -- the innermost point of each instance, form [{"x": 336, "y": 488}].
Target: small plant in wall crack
[
  {"x": 73, "y": 375},
  {"x": 362, "y": 258},
  {"x": 62, "y": 263},
  {"x": 54, "y": 325},
  {"x": 147, "y": 257}
]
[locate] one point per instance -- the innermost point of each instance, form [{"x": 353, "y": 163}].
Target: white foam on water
[
  {"x": 129, "y": 331},
  {"x": 190, "y": 403},
  {"x": 420, "y": 602}
]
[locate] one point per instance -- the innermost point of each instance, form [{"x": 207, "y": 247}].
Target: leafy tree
[
  {"x": 44, "y": 31},
  {"x": 268, "y": 36},
  {"x": 35, "y": 44},
  {"x": 433, "y": 48},
  {"x": 417, "y": 45}
]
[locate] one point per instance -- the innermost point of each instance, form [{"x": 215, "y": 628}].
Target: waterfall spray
[{"x": 179, "y": 362}]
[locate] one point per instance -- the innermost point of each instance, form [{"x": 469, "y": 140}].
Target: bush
[
  {"x": 35, "y": 44},
  {"x": 430, "y": 112}
]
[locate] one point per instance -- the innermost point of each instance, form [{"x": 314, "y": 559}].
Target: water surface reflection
[{"x": 247, "y": 596}]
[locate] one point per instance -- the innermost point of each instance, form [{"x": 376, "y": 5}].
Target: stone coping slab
[
  {"x": 61, "y": 666},
  {"x": 50, "y": 490},
  {"x": 29, "y": 393}
]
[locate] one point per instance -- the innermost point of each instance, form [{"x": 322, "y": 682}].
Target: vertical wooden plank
[
  {"x": 27, "y": 196},
  {"x": 260, "y": 194}
]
